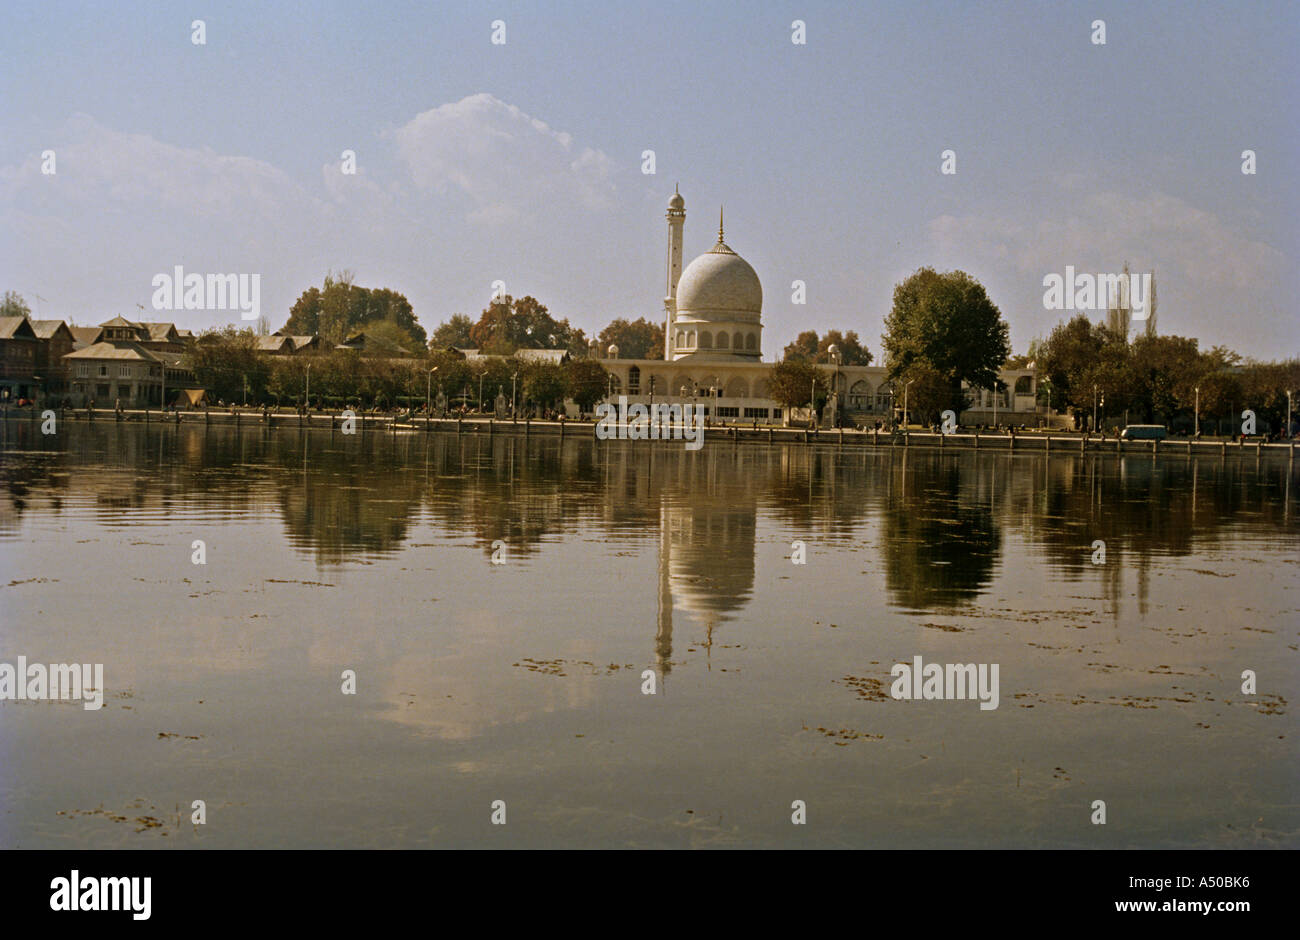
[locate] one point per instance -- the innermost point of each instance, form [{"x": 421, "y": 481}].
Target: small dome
[
  {"x": 613, "y": 350},
  {"x": 676, "y": 201},
  {"x": 718, "y": 284}
]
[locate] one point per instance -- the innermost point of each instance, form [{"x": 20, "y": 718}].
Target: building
[
  {"x": 18, "y": 347},
  {"x": 713, "y": 346},
  {"x": 56, "y": 341},
  {"x": 118, "y": 367}
]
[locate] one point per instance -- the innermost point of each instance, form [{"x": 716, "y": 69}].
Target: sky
[{"x": 523, "y": 162}]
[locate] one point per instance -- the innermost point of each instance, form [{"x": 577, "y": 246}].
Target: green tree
[
  {"x": 338, "y": 309},
  {"x": 588, "y": 382},
  {"x": 636, "y": 339},
  {"x": 14, "y": 305},
  {"x": 454, "y": 334},
  {"x": 947, "y": 323},
  {"x": 223, "y": 360},
  {"x": 545, "y": 383},
  {"x": 792, "y": 381},
  {"x": 803, "y": 348}
]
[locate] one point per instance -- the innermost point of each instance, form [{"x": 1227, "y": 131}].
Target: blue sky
[{"x": 522, "y": 162}]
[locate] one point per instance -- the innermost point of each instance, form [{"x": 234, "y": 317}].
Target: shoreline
[{"x": 1035, "y": 441}]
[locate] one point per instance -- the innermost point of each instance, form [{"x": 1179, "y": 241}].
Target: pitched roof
[
  {"x": 542, "y": 355},
  {"x": 45, "y": 329},
  {"x": 273, "y": 343},
  {"x": 160, "y": 332},
  {"x": 120, "y": 321},
  {"x": 15, "y": 328},
  {"x": 132, "y": 351},
  {"x": 85, "y": 334}
]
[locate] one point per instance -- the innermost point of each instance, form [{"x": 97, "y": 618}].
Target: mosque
[{"x": 713, "y": 351}]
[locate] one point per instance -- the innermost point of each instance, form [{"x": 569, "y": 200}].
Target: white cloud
[{"x": 505, "y": 163}]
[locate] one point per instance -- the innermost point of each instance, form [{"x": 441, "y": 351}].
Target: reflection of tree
[
  {"x": 941, "y": 543},
  {"x": 942, "y": 515}
]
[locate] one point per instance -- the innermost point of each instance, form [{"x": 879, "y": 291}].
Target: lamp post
[
  {"x": 306, "y": 398},
  {"x": 1288, "y": 414},
  {"x": 905, "y": 386},
  {"x": 1094, "y": 408},
  {"x": 428, "y": 392},
  {"x": 480, "y": 392},
  {"x": 995, "y": 402},
  {"x": 1196, "y": 419},
  {"x": 513, "y": 377},
  {"x": 835, "y": 383}
]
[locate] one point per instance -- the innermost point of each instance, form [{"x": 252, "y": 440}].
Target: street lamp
[
  {"x": 1197, "y": 413},
  {"x": 428, "y": 392},
  {"x": 512, "y": 394},
  {"x": 909, "y": 382},
  {"x": 480, "y": 391},
  {"x": 306, "y": 398},
  {"x": 1288, "y": 414},
  {"x": 1094, "y": 408},
  {"x": 836, "y": 356}
]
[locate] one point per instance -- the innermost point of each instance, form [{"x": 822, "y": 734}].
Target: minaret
[{"x": 676, "y": 221}]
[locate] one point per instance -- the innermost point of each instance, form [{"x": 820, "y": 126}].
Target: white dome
[{"x": 718, "y": 285}]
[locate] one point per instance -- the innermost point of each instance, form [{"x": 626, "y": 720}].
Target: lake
[{"x": 503, "y": 602}]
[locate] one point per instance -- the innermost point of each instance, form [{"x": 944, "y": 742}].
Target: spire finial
[
  {"x": 676, "y": 190},
  {"x": 719, "y": 224}
]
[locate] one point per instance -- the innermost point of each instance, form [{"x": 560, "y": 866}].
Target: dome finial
[{"x": 719, "y": 224}]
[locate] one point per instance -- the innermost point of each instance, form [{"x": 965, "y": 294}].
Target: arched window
[
  {"x": 860, "y": 395},
  {"x": 751, "y": 341},
  {"x": 690, "y": 339},
  {"x": 1025, "y": 385},
  {"x": 681, "y": 339},
  {"x": 723, "y": 341},
  {"x": 706, "y": 339},
  {"x": 738, "y": 340},
  {"x": 882, "y": 397},
  {"x": 634, "y": 381}
]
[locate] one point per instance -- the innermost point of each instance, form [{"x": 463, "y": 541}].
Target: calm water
[{"x": 522, "y": 681}]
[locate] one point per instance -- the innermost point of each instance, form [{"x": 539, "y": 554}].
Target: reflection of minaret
[
  {"x": 676, "y": 220},
  {"x": 664, "y": 624}
]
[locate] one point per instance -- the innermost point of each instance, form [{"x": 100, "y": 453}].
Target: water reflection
[{"x": 938, "y": 521}]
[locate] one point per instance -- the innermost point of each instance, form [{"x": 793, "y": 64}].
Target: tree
[
  {"x": 545, "y": 383},
  {"x": 14, "y": 305},
  {"x": 791, "y": 382},
  {"x": 947, "y": 323},
  {"x": 852, "y": 352},
  {"x": 223, "y": 360},
  {"x": 803, "y": 348},
  {"x": 454, "y": 334},
  {"x": 340, "y": 309},
  {"x": 636, "y": 339},
  {"x": 588, "y": 382},
  {"x": 508, "y": 324}
]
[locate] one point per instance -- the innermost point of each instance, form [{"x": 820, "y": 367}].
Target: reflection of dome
[{"x": 719, "y": 285}]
